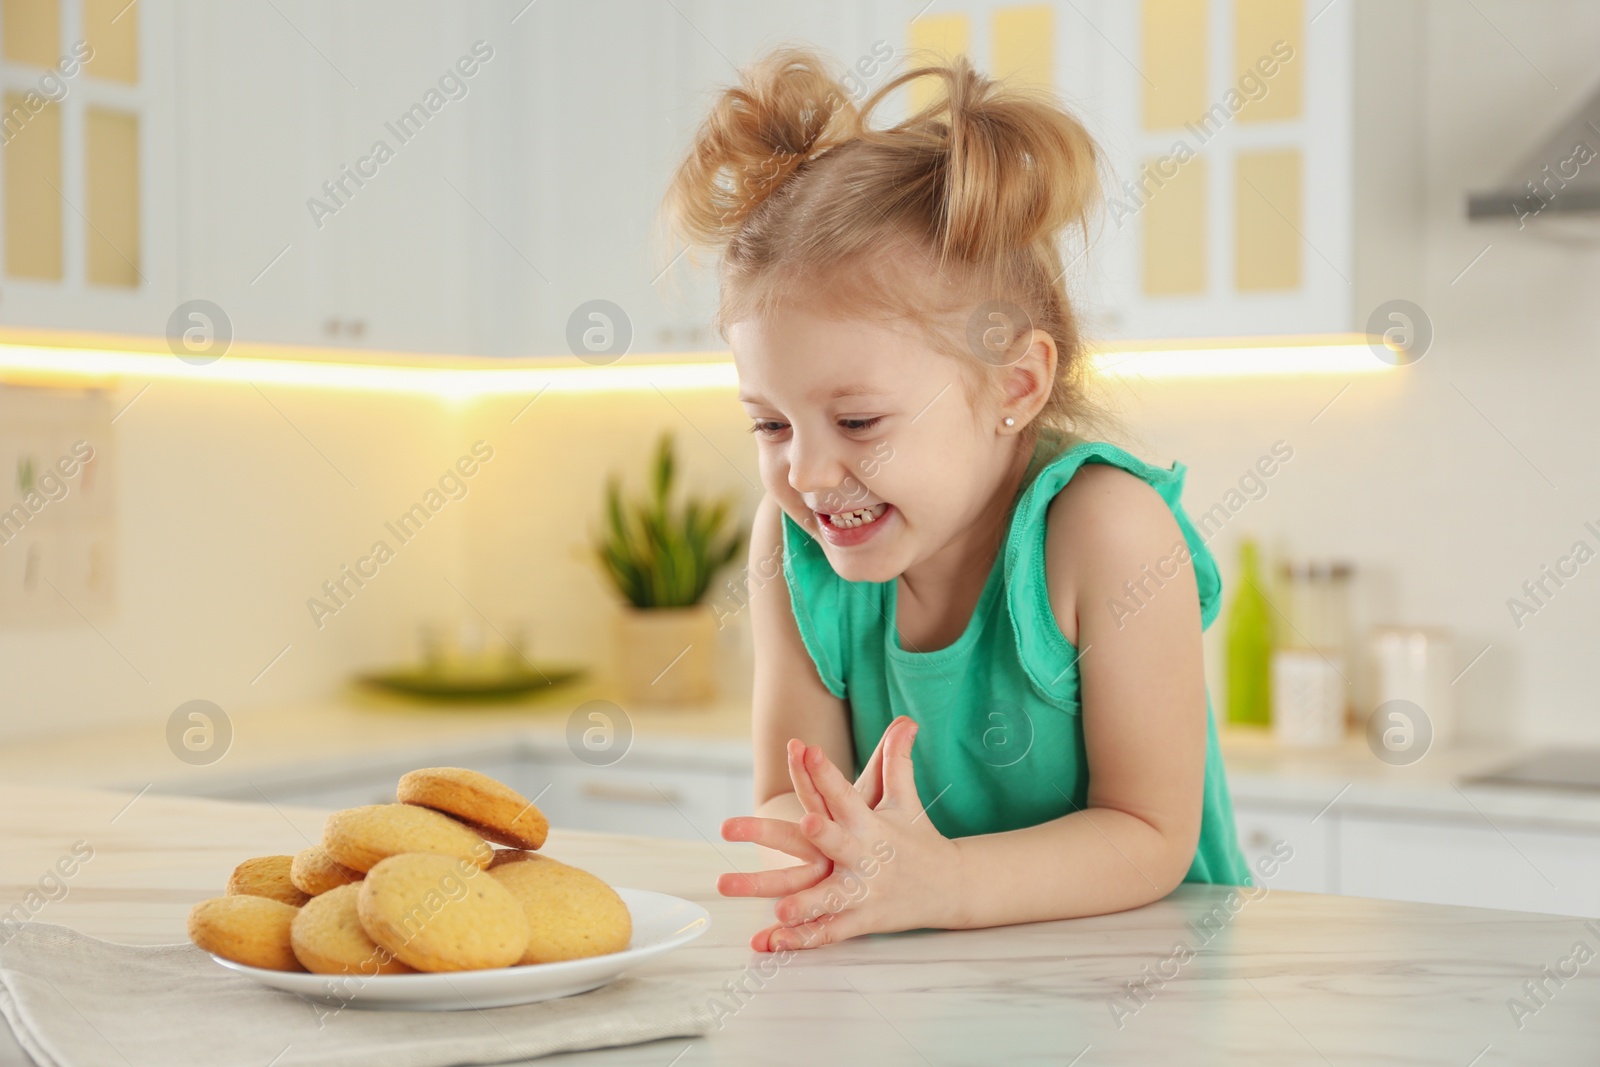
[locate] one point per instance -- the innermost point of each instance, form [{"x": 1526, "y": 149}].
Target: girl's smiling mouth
[{"x": 845, "y": 528}]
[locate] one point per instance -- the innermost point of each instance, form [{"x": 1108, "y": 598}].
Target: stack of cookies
[{"x": 416, "y": 886}]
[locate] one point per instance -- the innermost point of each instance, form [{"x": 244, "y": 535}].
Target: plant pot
[{"x": 667, "y": 655}]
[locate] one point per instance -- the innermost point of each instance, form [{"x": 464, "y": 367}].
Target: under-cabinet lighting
[
  {"x": 1284, "y": 358},
  {"x": 59, "y": 364}
]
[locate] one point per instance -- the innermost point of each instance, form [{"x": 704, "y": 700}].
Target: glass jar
[{"x": 1310, "y": 662}]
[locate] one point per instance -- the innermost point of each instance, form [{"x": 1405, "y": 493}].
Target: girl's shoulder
[
  {"x": 1106, "y": 526},
  {"x": 1092, "y": 517}
]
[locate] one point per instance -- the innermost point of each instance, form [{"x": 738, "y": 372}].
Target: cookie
[
  {"x": 360, "y": 837},
  {"x": 313, "y": 871},
  {"x": 267, "y": 876},
  {"x": 438, "y": 913},
  {"x": 571, "y": 913},
  {"x": 246, "y": 929},
  {"x": 327, "y": 937},
  {"x": 493, "y": 809}
]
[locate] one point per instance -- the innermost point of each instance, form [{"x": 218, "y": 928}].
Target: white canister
[
  {"x": 1413, "y": 663},
  {"x": 1308, "y": 697}
]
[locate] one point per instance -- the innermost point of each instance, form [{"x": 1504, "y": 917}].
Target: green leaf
[
  {"x": 663, "y": 471},
  {"x": 660, "y": 556}
]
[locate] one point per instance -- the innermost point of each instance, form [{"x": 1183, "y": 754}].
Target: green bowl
[{"x": 435, "y": 684}]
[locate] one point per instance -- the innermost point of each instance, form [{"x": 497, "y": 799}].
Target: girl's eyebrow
[
  {"x": 837, "y": 393},
  {"x": 843, "y": 391}
]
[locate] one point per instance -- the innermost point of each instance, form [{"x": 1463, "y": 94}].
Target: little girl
[{"x": 957, "y": 558}]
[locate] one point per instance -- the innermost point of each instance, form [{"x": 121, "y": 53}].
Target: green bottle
[{"x": 1249, "y": 645}]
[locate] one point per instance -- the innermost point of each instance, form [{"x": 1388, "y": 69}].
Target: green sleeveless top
[{"x": 1004, "y": 745}]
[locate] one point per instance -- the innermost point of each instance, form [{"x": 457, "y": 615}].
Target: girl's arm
[
  {"x": 1144, "y": 715},
  {"x": 1144, "y": 718}
]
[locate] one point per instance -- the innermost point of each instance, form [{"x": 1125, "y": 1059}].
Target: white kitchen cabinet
[
  {"x": 643, "y": 795},
  {"x": 295, "y": 223},
  {"x": 537, "y": 190},
  {"x": 612, "y": 104},
  {"x": 1469, "y": 862},
  {"x": 1293, "y": 208},
  {"x": 651, "y": 801},
  {"x": 255, "y": 106},
  {"x": 1265, "y": 830},
  {"x": 368, "y": 783},
  {"x": 55, "y": 137}
]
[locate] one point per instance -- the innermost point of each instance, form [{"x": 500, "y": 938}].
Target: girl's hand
[
  {"x": 785, "y": 836},
  {"x": 891, "y": 870}
]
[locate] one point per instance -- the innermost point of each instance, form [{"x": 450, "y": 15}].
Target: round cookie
[
  {"x": 267, "y": 876},
  {"x": 327, "y": 937},
  {"x": 246, "y": 929},
  {"x": 571, "y": 913},
  {"x": 492, "y": 808},
  {"x": 359, "y": 838},
  {"x": 314, "y": 872},
  {"x": 437, "y": 913}
]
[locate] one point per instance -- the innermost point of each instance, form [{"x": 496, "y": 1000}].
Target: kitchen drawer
[
  {"x": 1470, "y": 863},
  {"x": 1272, "y": 832},
  {"x": 652, "y": 801},
  {"x": 370, "y": 784}
]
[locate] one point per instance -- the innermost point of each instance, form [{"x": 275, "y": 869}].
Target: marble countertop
[
  {"x": 1276, "y": 978},
  {"x": 331, "y": 737}
]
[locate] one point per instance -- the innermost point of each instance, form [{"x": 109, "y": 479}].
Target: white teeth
[{"x": 846, "y": 520}]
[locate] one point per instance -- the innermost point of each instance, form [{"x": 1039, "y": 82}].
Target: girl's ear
[{"x": 1028, "y": 382}]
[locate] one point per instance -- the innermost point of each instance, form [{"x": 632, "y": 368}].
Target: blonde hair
[{"x": 807, "y": 203}]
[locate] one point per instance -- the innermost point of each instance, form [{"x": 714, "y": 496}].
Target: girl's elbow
[{"x": 1177, "y": 857}]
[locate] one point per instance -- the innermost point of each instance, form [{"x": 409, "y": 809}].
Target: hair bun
[
  {"x": 1016, "y": 166},
  {"x": 788, "y": 108}
]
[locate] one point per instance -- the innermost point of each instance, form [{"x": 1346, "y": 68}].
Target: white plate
[{"x": 661, "y": 923}]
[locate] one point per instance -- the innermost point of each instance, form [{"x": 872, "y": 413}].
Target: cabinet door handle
[{"x": 631, "y": 794}]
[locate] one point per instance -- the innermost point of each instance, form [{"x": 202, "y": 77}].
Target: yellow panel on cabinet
[
  {"x": 1267, "y": 221},
  {"x": 112, "y": 29},
  {"x": 31, "y": 31},
  {"x": 111, "y": 174},
  {"x": 32, "y": 177},
  {"x": 1024, "y": 45},
  {"x": 1172, "y": 56},
  {"x": 1174, "y": 238},
  {"x": 945, "y": 36},
  {"x": 1267, "y": 36}
]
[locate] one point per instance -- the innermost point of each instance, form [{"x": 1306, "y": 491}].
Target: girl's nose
[{"x": 815, "y": 469}]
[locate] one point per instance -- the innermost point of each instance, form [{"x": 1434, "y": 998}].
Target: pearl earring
[{"x": 1010, "y": 421}]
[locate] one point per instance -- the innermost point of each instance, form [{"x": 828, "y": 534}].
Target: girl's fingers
[
  {"x": 870, "y": 784},
  {"x": 804, "y": 788},
  {"x": 761, "y": 940},
  {"x": 779, "y": 834},
  {"x": 844, "y": 803},
  {"x": 843, "y": 890},
  {"x": 778, "y": 883},
  {"x": 826, "y": 930},
  {"x": 832, "y": 840},
  {"x": 899, "y": 777}
]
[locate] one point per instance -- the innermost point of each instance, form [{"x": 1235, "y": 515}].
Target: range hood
[{"x": 1557, "y": 186}]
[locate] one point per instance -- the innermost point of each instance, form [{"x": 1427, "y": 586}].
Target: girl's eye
[
  {"x": 857, "y": 425},
  {"x": 767, "y": 427}
]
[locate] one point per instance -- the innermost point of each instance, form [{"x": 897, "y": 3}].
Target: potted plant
[{"x": 662, "y": 559}]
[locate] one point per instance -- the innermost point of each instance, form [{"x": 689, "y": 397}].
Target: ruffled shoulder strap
[{"x": 1046, "y": 654}]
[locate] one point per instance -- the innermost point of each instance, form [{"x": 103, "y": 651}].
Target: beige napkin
[{"x": 74, "y": 1001}]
